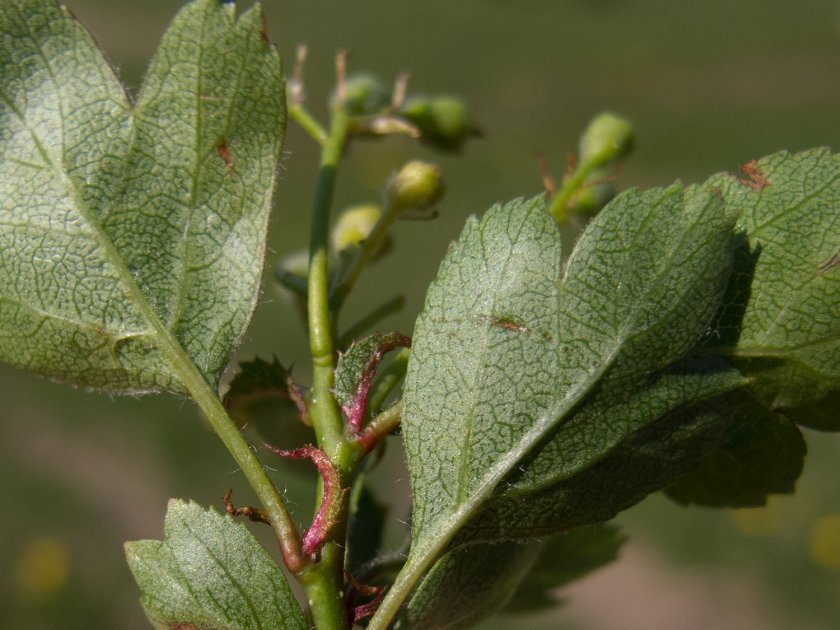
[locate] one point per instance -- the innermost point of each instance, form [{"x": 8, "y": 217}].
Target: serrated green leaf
[
  {"x": 763, "y": 453},
  {"x": 781, "y": 310},
  {"x": 505, "y": 350},
  {"x": 209, "y": 573},
  {"x": 467, "y": 585},
  {"x": 128, "y": 237},
  {"x": 563, "y": 559}
]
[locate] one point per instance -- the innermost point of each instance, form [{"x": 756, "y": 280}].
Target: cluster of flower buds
[
  {"x": 441, "y": 122},
  {"x": 360, "y": 233}
]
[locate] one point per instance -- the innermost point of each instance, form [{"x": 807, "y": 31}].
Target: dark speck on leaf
[
  {"x": 224, "y": 153},
  {"x": 509, "y": 324}
]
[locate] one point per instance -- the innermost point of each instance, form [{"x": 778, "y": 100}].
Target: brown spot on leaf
[
  {"x": 755, "y": 179},
  {"x": 508, "y": 324},
  {"x": 264, "y": 33},
  {"x": 224, "y": 153}
]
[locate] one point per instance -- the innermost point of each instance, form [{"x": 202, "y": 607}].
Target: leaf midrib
[{"x": 466, "y": 451}]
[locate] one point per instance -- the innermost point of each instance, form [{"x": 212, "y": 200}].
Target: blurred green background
[{"x": 709, "y": 85}]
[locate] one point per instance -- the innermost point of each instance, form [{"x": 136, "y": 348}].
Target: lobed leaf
[
  {"x": 209, "y": 573},
  {"x": 505, "y": 350},
  {"x": 781, "y": 310},
  {"x": 128, "y": 238}
]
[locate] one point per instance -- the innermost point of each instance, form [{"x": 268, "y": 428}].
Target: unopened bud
[
  {"x": 354, "y": 226},
  {"x": 443, "y": 121},
  {"x": 607, "y": 138},
  {"x": 416, "y": 186},
  {"x": 365, "y": 94}
]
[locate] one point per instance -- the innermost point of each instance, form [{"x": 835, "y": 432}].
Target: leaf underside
[
  {"x": 210, "y": 573},
  {"x": 762, "y": 453},
  {"x": 673, "y": 350},
  {"x": 781, "y": 309},
  {"x": 130, "y": 234},
  {"x": 507, "y": 348}
]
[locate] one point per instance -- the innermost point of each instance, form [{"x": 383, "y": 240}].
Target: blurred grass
[{"x": 709, "y": 86}]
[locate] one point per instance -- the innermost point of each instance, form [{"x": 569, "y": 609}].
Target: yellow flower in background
[
  {"x": 759, "y": 521},
  {"x": 42, "y": 566},
  {"x": 824, "y": 544}
]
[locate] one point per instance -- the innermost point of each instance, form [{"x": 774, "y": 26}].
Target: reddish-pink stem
[{"x": 327, "y": 517}]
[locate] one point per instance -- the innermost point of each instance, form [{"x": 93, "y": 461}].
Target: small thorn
[{"x": 255, "y": 514}]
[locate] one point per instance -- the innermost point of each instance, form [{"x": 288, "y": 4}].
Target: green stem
[
  {"x": 323, "y": 582},
  {"x": 308, "y": 123},
  {"x": 559, "y": 205},
  {"x": 325, "y": 589},
  {"x": 326, "y": 417}
]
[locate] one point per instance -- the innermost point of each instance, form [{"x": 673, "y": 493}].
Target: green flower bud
[
  {"x": 591, "y": 198},
  {"x": 365, "y": 94},
  {"x": 416, "y": 186},
  {"x": 442, "y": 120},
  {"x": 354, "y": 226},
  {"x": 607, "y": 138}
]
